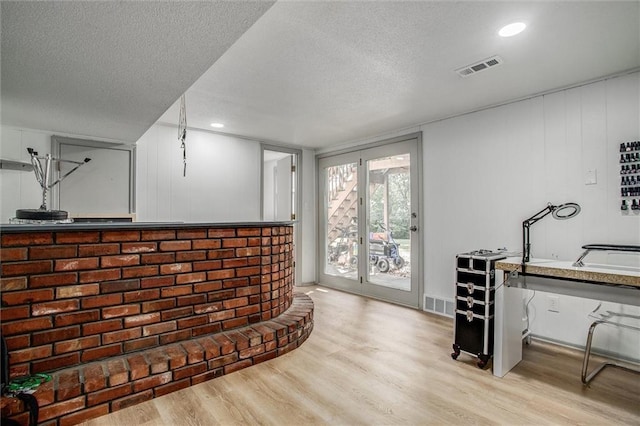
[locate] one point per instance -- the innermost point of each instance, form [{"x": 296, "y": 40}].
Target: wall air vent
[
  {"x": 439, "y": 306},
  {"x": 479, "y": 66}
]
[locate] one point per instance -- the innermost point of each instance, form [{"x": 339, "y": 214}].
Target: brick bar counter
[{"x": 121, "y": 313}]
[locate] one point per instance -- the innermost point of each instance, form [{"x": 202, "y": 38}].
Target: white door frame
[
  {"x": 353, "y": 154},
  {"x": 297, "y": 229}
]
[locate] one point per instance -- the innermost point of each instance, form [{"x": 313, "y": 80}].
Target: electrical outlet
[{"x": 553, "y": 304}]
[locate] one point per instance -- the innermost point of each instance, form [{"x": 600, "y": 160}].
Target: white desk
[{"x": 619, "y": 285}]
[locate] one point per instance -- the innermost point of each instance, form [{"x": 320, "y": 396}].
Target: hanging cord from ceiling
[{"x": 182, "y": 133}]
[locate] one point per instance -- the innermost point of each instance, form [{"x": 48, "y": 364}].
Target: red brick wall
[
  {"x": 72, "y": 297},
  {"x": 79, "y": 393}
]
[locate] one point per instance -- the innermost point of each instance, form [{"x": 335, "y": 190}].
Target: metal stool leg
[
  {"x": 587, "y": 352},
  {"x": 586, "y": 379}
]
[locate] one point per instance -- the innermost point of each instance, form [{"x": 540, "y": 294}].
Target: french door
[{"x": 369, "y": 222}]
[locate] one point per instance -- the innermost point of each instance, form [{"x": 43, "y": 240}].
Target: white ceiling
[
  {"x": 109, "y": 69},
  {"x": 323, "y": 73},
  {"x": 312, "y": 74}
]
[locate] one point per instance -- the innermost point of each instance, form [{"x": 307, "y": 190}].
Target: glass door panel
[
  {"x": 341, "y": 220},
  {"x": 389, "y": 213}
]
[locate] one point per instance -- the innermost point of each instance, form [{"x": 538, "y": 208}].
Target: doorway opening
[
  {"x": 369, "y": 220},
  {"x": 280, "y": 200}
]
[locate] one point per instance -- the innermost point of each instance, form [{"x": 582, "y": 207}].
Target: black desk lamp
[{"x": 561, "y": 212}]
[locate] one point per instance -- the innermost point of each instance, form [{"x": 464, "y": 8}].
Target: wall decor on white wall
[
  {"x": 43, "y": 167},
  {"x": 18, "y": 188},
  {"x": 105, "y": 186},
  {"x": 182, "y": 133},
  {"x": 630, "y": 176}
]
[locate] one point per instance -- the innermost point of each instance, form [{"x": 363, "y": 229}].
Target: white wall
[
  {"x": 222, "y": 182},
  {"x": 484, "y": 173}
]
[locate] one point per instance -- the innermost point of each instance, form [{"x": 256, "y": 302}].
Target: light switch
[{"x": 591, "y": 177}]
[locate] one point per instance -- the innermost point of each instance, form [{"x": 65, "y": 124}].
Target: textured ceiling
[
  {"x": 109, "y": 69},
  {"x": 314, "y": 74},
  {"x": 318, "y": 74}
]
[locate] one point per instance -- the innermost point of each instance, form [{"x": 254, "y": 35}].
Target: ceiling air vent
[{"x": 479, "y": 66}]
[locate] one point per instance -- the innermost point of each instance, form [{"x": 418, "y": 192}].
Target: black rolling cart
[{"x": 475, "y": 304}]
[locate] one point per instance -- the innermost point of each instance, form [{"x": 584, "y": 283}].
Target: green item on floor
[{"x": 26, "y": 384}]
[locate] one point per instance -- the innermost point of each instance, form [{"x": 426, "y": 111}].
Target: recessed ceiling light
[
  {"x": 512, "y": 29},
  {"x": 217, "y": 125}
]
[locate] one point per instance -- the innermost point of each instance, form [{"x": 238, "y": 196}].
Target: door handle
[{"x": 414, "y": 228}]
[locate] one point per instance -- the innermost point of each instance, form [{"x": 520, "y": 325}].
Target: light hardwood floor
[{"x": 371, "y": 363}]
